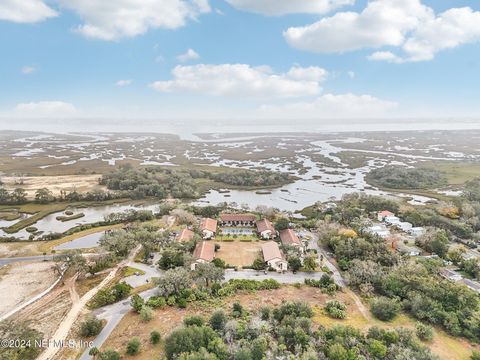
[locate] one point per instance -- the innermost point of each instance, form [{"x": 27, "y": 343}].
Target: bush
[
  {"x": 137, "y": 302},
  {"x": 133, "y": 346},
  {"x": 146, "y": 313},
  {"x": 109, "y": 354},
  {"x": 336, "y": 309},
  {"x": 155, "y": 337},
  {"x": 91, "y": 326},
  {"x": 156, "y": 302},
  {"x": 193, "y": 320},
  {"x": 218, "y": 320},
  {"x": 385, "y": 309},
  {"x": 424, "y": 332}
]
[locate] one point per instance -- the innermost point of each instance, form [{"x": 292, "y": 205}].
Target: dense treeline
[
  {"x": 285, "y": 332},
  {"x": 400, "y": 177},
  {"x": 177, "y": 183}
]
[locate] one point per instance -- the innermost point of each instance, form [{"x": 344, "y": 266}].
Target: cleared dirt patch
[
  {"x": 239, "y": 253},
  {"x": 23, "y": 281},
  {"x": 80, "y": 183}
]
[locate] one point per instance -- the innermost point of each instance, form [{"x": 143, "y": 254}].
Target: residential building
[
  {"x": 381, "y": 215},
  {"x": 208, "y": 228},
  {"x": 273, "y": 256},
  {"x": 391, "y": 220},
  {"x": 204, "y": 253},
  {"x": 185, "y": 235},
  {"x": 289, "y": 238},
  {"x": 379, "y": 230},
  {"x": 248, "y": 220},
  {"x": 416, "y": 231},
  {"x": 407, "y": 250},
  {"x": 265, "y": 229},
  {"x": 473, "y": 285},
  {"x": 451, "y": 275},
  {"x": 404, "y": 226}
]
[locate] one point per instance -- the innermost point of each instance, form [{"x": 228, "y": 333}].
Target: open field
[
  {"x": 239, "y": 253},
  {"x": 56, "y": 184},
  {"x": 167, "y": 319},
  {"x": 457, "y": 173},
  {"x": 22, "y": 281}
]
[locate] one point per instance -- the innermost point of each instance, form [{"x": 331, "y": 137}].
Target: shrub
[
  {"x": 133, "y": 346},
  {"x": 385, "y": 309},
  {"x": 265, "y": 313},
  {"x": 193, "y": 320},
  {"x": 336, "y": 309},
  {"x": 137, "y": 302},
  {"x": 424, "y": 332},
  {"x": 237, "y": 309},
  {"x": 91, "y": 326},
  {"x": 156, "y": 302},
  {"x": 146, "y": 313},
  {"x": 218, "y": 320},
  {"x": 155, "y": 337},
  {"x": 109, "y": 354}
]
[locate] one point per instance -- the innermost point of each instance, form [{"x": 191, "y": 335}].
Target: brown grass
[{"x": 239, "y": 253}]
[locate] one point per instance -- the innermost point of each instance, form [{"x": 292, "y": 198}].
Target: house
[
  {"x": 416, "y": 231},
  {"x": 208, "y": 228},
  {"x": 407, "y": 250},
  {"x": 404, "y": 226},
  {"x": 273, "y": 256},
  {"x": 185, "y": 235},
  {"x": 379, "y": 230},
  {"x": 451, "y": 275},
  {"x": 204, "y": 253},
  {"x": 248, "y": 220},
  {"x": 381, "y": 215},
  {"x": 265, "y": 229},
  {"x": 391, "y": 220},
  {"x": 289, "y": 238}
]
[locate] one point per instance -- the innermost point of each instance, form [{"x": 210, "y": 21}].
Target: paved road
[
  {"x": 5, "y": 261},
  {"x": 151, "y": 271},
  {"x": 286, "y": 278}
]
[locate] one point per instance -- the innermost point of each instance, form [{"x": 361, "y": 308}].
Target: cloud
[
  {"x": 244, "y": 81},
  {"x": 25, "y": 11},
  {"x": 332, "y": 106},
  {"x": 116, "y": 19},
  {"x": 45, "y": 108},
  {"x": 123, "y": 82},
  {"x": 405, "y": 24},
  {"x": 189, "y": 55},
  {"x": 27, "y": 70},
  {"x": 283, "y": 7}
]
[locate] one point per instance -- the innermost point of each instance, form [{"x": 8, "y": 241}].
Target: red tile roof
[
  {"x": 289, "y": 238},
  {"x": 204, "y": 250},
  {"x": 208, "y": 224},
  {"x": 264, "y": 225},
  {"x": 385, "y": 213},
  {"x": 238, "y": 217},
  {"x": 185, "y": 235},
  {"x": 270, "y": 251}
]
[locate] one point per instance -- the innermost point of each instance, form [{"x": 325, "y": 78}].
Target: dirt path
[{"x": 68, "y": 321}]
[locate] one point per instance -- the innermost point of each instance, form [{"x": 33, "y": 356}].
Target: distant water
[{"x": 187, "y": 129}]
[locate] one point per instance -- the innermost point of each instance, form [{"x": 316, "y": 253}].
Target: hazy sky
[{"x": 239, "y": 58}]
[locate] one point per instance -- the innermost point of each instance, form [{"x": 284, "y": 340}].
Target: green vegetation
[
  {"x": 400, "y": 177},
  {"x": 111, "y": 295},
  {"x": 91, "y": 326},
  {"x": 19, "y": 331},
  {"x": 71, "y": 217},
  {"x": 385, "y": 309},
  {"x": 336, "y": 309}
]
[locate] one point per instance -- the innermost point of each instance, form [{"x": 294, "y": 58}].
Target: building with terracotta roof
[
  {"x": 204, "y": 253},
  {"x": 208, "y": 228},
  {"x": 237, "y": 220},
  {"x": 185, "y": 235},
  {"x": 381, "y": 215},
  {"x": 273, "y": 256},
  {"x": 265, "y": 229},
  {"x": 289, "y": 238}
]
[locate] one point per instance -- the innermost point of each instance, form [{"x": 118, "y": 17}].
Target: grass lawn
[
  {"x": 238, "y": 253},
  {"x": 129, "y": 271}
]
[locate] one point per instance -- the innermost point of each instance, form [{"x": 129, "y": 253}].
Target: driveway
[
  {"x": 286, "y": 278},
  {"x": 151, "y": 271}
]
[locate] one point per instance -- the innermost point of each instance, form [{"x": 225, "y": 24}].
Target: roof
[
  {"x": 264, "y": 225},
  {"x": 289, "y": 237},
  {"x": 271, "y": 251},
  {"x": 208, "y": 224},
  {"x": 204, "y": 250},
  {"x": 385, "y": 213},
  {"x": 185, "y": 235},
  {"x": 238, "y": 217}
]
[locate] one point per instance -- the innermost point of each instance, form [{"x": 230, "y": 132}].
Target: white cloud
[
  {"x": 25, "y": 11},
  {"x": 27, "y": 70},
  {"x": 405, "y": 24},
  {"x": 241, "y": 80},
  {"x": 45, "y": 108},
  {"x": 190, "y": 54},
  {"x": 115, "y": 19},
  {"x": 332, "y": 106},
  {"x": 123, "y": 82},
  {"x": 283, "y": 7},
  {"x": 351, "y": 74}
]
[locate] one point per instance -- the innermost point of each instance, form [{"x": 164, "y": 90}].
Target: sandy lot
[
  {"x": 20, "y": 282},
  {"x": 239, "y": 253},
  {"x": 82, "y": 183}
]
